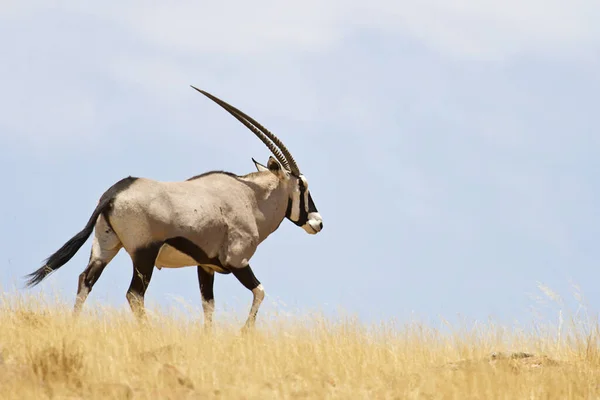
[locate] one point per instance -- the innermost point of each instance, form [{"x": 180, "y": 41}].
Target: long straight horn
[{"x": 286, "y": 158}]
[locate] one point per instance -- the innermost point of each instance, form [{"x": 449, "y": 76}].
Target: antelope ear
[
  {"x": 273, "y": 165},
  {"x": 259, "y": 166}
]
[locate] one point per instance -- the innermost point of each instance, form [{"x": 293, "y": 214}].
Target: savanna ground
[{"x": 44, "y": 353}]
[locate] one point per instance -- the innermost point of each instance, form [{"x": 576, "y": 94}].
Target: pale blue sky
[{"x": 451, "y": 147}]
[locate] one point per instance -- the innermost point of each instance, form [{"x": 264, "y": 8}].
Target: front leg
[
  {"x": 206, "y": 280},
  {"x": 247, "y": 278}
]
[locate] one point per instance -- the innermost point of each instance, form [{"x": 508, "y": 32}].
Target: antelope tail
[{"x": 68, "y": 250}]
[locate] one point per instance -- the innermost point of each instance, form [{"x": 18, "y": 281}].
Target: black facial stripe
[
  {"x": 311, "y": 205},
  {"x": 303, "y": 217},
  {"x": 288, "y": 212},
  {"x": 303, "y": 214}
]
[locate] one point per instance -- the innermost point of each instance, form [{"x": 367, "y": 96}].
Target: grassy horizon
[{"x": 45, "y": 353}]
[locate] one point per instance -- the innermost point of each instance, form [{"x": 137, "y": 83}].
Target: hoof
[{"x": 249, "y": 327}]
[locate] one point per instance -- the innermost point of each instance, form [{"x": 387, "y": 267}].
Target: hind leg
[
  {"x": 105, "y": 247},
  {"x": 143, "y": 265},
  {"x": 206, "y": 280}
]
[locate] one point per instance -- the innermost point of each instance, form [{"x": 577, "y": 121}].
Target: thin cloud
[
  {"x": 482, "y": 29},
  {"x": 158, "y": 49}
]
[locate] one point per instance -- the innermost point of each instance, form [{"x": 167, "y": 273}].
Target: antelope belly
[{"x": 169, "y": 257}]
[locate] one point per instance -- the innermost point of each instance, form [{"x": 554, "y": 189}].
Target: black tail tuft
[
  {"x": 65, "y": 253},
  {"x": 68, "y": 250},
  {"x": 38, "y": 276}
]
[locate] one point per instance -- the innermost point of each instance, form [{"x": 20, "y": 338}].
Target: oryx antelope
[{"x": 214, "y": 221}]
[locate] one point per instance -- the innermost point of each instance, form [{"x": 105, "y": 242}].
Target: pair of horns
[{"x": 274, "y": 144}]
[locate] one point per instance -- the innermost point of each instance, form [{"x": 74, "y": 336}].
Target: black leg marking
[
  {"x": 246, "y": 277},
  {"x": 90, "y": 276},
  {"x": 143, "y": 266},
  {"x": 87, "y": 279},
  {"x": 206, "y": 281}
]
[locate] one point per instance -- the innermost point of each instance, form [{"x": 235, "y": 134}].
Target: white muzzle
[{"x": 314, "y": 224}]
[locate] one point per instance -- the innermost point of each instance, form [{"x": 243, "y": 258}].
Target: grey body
[
  {"x": 226, "y": 216},
  {"x": 214, "y": 221}
]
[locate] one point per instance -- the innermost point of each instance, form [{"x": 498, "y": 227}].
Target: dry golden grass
[{"x": 106, "y": 354}]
